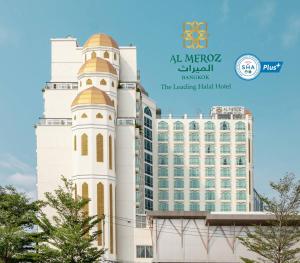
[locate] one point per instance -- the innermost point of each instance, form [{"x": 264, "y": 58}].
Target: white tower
[{"x": 93, "y": 162}]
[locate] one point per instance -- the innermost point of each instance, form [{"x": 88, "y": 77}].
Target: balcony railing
[
  {"x": 61, "y": 85},
  {"x": 55, "y": 122}
]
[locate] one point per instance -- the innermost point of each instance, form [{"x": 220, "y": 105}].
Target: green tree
[
  {"x": 70, "y": 232},
  {"x": 17, "y": 233},
  {"x": 278, "y": 241}
]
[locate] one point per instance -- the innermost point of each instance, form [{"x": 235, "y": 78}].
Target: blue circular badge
[{"x": 247, "y": 67}]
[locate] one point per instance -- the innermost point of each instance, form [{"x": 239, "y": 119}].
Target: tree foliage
[
  {"x": 278, "y": 241},
  {"x": 17, "y": 214},
  {"x": 71, "y": 232}
]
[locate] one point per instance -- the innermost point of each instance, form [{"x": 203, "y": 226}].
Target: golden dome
[
  {"x": 97, "y": 65},
  {"x": 92, "y": 95},
  {"x": 100, "y": 40}
]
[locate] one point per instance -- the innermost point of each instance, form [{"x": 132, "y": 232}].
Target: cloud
[
  {"x": 17, "y": 173},
  {"x": 292, "y": 34},
  {"x": 264, "y": 13}
]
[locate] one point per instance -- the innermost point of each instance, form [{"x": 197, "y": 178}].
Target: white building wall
[{"x": 128, "y": 64}]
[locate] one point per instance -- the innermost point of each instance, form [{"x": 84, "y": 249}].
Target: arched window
[
  {"x": 100, "y": 212},
  {"x": 209, "y": 125},
  {"x": 110, "y": 152},
  {"x": 83, "y": 116},
  {"x": 85, "y": 195},
  {"x": 112, "y": 84},
  {"x": 194, "y": 125},
  {"x": 99, "y": 147},
  {"x": 147, "y": 111},
  {"x": 240, "y": 125},
  {"x": 115, "y": 56},
  {"x": 111, "y": 218},
  {"x": 109, "y": 117},
  {"x": 103, "y": 82},
  {"x": 178, "y": 125},
  {"x": 224, "y": 125},
  {"x": 106, "y": 54},
  {"x": 162, "y": 125},
  {"x": 93, "y": 54},
  {"x": 84, "y": 144},
  {"x": 89, "y": 82},
  {"x": 75, "y": 143},
  {"x": 99, "y": 115}
]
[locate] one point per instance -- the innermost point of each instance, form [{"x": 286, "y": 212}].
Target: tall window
[
  {"x": 162, "y": 125},
  {"x": 100, "y": 211},
  {"x": 75, "y": 143},
  {"x": 110, "y": 146},
  {"x": 111, "y": 216},
  {"x": 147, "y": 111},
  {"x": 99, "y": 147},
  {"x": 193, "y": 125},
  {"x": 209, "y": 125},
  {"x": 240, "y": 126},
  {"x": 224, "y": 125},
  {"x": 84, "y": 144},
  {"x": 85, "y": 195}
]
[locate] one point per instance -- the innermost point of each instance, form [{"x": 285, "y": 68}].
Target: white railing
[
  {"x": 61, "y": 85},
  {"x": 55, "y": 122}
]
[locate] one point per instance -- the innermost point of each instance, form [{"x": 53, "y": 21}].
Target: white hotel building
[{"x": 99, "y": 128}]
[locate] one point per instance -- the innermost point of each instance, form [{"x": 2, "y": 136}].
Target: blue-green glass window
[
  {"x": 163, "y": 206},
  {"x": 178, "y": 148},
  {"x": 224, "y": 126},
  {"x": 210, "y": 171},
  {"x": 162, "y": 136},
  {"x": 194, "y": 137},
  {"x": 194, "y": 171},
  {"x": 178, "y": 195},
  {"x": 194, "y": 206},
  {"x": 162, "y": 148},
  {"x": 210, "y": 206},
  {"x": 194, "y": 183},
  {"x": 162, "y": 125},
  {"x": 163, "y": 183},
  {"x": 225, "y": 207},
  {"x": 209, "y": 148},
  {"x": 226, "y": 183},
  {"x": 178, "y": 206},
  {"x": 178, "y": 136},
  {"x": 241, "y": 207},
  {"x": 209, "y": 160},
  {"x": 210, "y": 195},
  {"x": 241, "y": 172},
  {"x": 225, "y": 160},
  {"x": 178, "y": 183},
  {"x": 163, "y": 195},
  {"x": 225, "y": 171},
  {"x": 225, "y": 148},
  {"x": 226, "y": 195},
  {"x": 178, "y": 171},
  {"x": 241, "y": 183},
  {"x": 240, "y": 137},
  {"x": 240, "y": 126},
  {"x": 178, "y": 159},
  {"x": 209, "y": 137},
  {"x": 162, "y": 159},
  {"x": 225, "y": 137},
  {"x": 162, "y": 171},
  {"x": 241, "y": 195},
  {"x": 178, "y": 125},
  {"x": 209, "y": 125},
  {"x": 194, "y": 125},
  {"x": 194, "y": 195},
  {"x": 194, "y": 159},
  {"x": 210, "y": 183},
  {"x": 241, "y": 160},
  {"x": 194, "y": 148},
  {"x": 241, "y": 148}
]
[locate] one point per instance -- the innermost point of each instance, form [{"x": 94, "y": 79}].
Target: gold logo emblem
[{"x": 195, "y": 35}]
